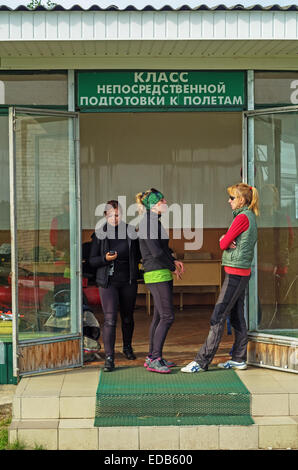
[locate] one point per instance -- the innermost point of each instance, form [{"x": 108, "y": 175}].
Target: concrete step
[
  {"x": 79, "y": 434},
  {"x": 57, "y": 411}
]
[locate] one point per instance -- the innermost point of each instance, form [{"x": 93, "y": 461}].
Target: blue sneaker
[
  {"x": 232, "y": 365},
  {"x": 193, "y": 367}
]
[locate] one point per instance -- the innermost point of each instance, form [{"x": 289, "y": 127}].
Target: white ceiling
[{"x": 166, "y": 48}]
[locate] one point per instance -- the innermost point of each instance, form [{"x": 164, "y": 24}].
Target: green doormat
[{"x": 132, "y": 396}]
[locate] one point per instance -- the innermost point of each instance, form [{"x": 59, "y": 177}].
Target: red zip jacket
[{"x": 239, "y": 225}]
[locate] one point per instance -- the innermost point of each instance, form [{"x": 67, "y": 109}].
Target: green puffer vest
[{"x": 242, "y": 255}]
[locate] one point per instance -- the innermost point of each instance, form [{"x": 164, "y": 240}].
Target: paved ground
[{"x": 6, "y": 394}]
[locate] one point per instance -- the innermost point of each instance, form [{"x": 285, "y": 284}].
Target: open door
[
  {"x": 272, "y": 166},
  {"x": 46, "y": 285}
]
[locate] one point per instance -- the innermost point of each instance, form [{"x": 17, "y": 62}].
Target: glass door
[
  {"x": 45, "y": 276},
  {"x": 272, "y": 166}
]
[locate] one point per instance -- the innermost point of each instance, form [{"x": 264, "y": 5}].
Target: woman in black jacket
[
  {"x": 115, "y": 254},
  {"x": 159, "y": 264}
]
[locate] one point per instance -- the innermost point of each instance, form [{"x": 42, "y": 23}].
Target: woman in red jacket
[{"x": 238, "y": 250}]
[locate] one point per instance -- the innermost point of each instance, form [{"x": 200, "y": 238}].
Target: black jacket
[
  {"x": 100, "y": 247},
  {"x": 154, "y": 244}
]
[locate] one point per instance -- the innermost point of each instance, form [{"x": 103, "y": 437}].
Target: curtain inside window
[{"x": 190, "y": 157}]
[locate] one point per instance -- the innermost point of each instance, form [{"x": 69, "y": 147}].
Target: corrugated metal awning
[{"x": 156, "y": 6}]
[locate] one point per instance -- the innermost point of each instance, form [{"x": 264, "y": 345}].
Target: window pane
[
  {"x": 33, "y": 89},
  {"x": 276, "y": 166},
  {"x": 46, "y": 211},
  {"x": 276, "y": 88},
  {"x": 5, "y": 249}
]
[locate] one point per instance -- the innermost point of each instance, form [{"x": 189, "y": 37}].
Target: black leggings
[
  {"x": 115, "y": 296},
  {"x": 163, "y": 317},
  {"x": 230, "y": 302}
]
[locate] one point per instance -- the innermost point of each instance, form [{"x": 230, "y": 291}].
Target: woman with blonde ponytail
[{"x": 238, "y": 251}]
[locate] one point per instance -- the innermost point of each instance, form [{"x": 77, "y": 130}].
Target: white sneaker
[
  {"x": 192, "y": 367},
  {"x": 232, "y": 365}
]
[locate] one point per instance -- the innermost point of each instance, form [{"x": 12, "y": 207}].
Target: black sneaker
[
  {"x": 128, "y": 352},
  {"x": 109, "y": 364}
]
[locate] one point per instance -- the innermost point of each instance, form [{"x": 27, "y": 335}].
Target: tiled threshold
[{"x": 56, "y": 411}]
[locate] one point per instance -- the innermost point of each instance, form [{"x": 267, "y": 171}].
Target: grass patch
[
  {"x": 4, "y": 434},
  {"x": 5, "y": 421}
]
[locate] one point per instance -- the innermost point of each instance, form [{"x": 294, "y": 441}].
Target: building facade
[{"x": 102, "y": 103}]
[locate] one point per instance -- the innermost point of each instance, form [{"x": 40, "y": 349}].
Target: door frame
[
  {"x": 16, "y": 343},
  {"x": 258, "y": 338}
]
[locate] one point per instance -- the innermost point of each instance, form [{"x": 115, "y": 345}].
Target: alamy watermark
[{"x": 185, "y": 221}]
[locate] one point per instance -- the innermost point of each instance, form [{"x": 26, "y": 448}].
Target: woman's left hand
[
  {"x": 179, "y": 266},
  {"x": 177, "y": 274}
]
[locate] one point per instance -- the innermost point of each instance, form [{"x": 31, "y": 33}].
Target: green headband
[{"x": 152, "y": 198}]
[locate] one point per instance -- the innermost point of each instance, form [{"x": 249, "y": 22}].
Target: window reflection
[
  {"x": 276, "y": 157},
  {"x": 5, "y": 248},
  {"x": 47, "y": 294}
]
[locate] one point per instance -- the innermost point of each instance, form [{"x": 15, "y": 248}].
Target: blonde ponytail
[
  {"x": 254, "y": 205},
  {"x": 139, "y": 197}
]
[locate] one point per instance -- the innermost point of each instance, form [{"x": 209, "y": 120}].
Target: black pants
[
  {"x": 118, "y": 296},
  {"x": 163, "y": 316},
  {"x": 230, "y": 302}
]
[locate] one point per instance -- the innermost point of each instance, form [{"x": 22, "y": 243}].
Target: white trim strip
[
  {"x": 273, "y": 339},
  {"x": 148, "y": 25}
]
